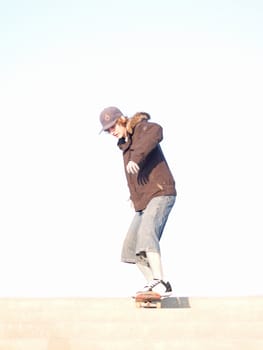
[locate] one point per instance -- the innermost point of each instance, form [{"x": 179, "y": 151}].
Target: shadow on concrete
[{"x": 176, "y": 303}]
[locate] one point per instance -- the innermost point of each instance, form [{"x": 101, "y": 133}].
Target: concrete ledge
[{"x": 115, "y": 323}]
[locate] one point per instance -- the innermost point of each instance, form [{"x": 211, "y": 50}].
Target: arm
[{"x": 147, "y": 136}]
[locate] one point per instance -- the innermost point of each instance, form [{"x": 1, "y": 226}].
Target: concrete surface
[{"x": 116, "y": 324}]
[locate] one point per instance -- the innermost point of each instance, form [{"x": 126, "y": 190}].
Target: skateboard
[{"x": 148, "y": 300}]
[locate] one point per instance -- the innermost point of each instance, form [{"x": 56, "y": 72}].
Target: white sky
[{"x": 196, "y": 67}]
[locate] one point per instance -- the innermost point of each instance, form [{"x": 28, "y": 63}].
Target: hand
[{"x": 132, "y": 167}]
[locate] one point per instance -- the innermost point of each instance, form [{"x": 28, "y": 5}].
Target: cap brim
[{"x": 106, "y": 127}]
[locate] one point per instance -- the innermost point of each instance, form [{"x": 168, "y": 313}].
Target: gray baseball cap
[{"x": 109, "y": 116}]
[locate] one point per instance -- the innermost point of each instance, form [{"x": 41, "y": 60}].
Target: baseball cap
[{"x": 109, "y": 116}]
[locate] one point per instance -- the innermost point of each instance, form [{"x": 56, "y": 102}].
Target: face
[{"x": 117, "y": 131}]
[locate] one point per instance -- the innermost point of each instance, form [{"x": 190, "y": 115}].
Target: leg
[
  {"x": 143, "y": 265},
  {"x": 155, "y": 264},
  {"x": 154, "y": 218},
  {"x": 128, "y": 254}
]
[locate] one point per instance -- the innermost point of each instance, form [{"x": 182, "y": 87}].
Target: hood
[{"x": 137, "y": 118}]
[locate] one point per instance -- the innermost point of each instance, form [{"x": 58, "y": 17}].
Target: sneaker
[
  {"x": 158, "y": 286},
  {"x": 149, "y": 287},
  {"x": 168, "y": 288}
]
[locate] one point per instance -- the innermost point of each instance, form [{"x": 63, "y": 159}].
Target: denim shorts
[{"x": 146, "y": 229}]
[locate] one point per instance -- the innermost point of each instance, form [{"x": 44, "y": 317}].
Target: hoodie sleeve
[{"x": 145, "y": 138}]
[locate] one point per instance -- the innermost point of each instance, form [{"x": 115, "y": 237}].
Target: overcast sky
[{"x": 196, "y": 68}]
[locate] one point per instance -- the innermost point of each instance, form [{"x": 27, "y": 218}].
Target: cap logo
[{"x": 106, "y": 117}]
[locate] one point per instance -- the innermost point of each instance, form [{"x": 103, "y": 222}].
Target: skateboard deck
[{"x": 148, "y": 300}]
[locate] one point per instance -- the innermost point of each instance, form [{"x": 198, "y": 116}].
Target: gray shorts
[{"x": 146, "y": 229}]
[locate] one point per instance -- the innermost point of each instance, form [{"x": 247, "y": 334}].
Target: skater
[{"x": 152, "y": 192}]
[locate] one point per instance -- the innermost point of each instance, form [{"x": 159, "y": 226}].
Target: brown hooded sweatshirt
[{"x": 142, "y": 146}]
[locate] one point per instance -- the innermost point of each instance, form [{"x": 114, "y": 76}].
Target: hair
[
  {"x": 142, "y": 114},
  {"x": 122, "y": 121}
]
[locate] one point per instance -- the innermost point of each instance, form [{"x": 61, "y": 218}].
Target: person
[{"x": 152, "y": 192}]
